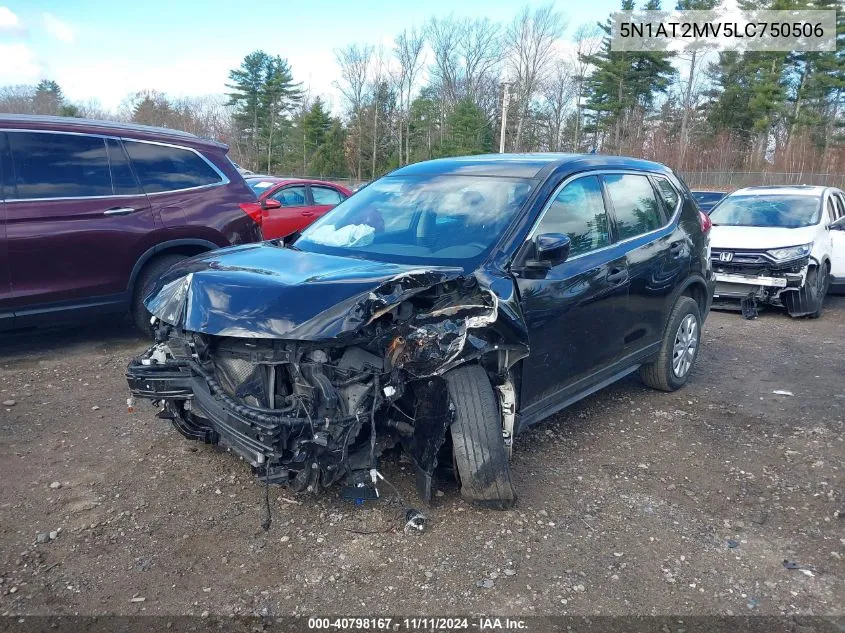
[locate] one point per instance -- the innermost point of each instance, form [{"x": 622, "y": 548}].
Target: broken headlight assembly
[{"x": 790, "y": 252}]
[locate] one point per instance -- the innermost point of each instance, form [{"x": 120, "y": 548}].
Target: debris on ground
[
  {"x": 782, "y": 392},
  {"x": 749, "y": 307},
  {"x": 414, "y": 520}
]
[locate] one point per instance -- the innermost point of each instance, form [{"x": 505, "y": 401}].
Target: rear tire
[
  {"x": 678, "y": 351},
  {"x": 478, "y": 446},
  {"x": 151, "y": 271}
]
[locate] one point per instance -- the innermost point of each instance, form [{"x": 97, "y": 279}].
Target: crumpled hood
[
  {"x": 759, "y": 238},
  {"x": 266, "y": 291}
]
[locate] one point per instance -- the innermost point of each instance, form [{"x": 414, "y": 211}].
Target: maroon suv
[{"x": 91, "y": 212}]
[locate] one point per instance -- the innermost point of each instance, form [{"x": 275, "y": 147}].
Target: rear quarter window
[
  {"x": 670, "y": 195},
  {"x": 166, "y": 168}
]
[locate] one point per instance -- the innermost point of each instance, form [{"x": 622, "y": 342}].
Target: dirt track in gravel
[{"x": 629, "y": 500}]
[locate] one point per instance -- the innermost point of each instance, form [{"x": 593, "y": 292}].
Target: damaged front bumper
[
  {"x": 764, "y": 281},
  {"x": 333, "y": 413}
]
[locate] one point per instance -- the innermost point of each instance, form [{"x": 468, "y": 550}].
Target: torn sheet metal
[
  {"x": 265, "y": 291},
  {"x": 311, "y": 366}
]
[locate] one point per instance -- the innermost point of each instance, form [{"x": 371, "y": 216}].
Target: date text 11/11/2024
[{"x": 416, "y": 624}]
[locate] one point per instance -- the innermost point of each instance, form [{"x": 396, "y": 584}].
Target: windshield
[
  {"x": 442, "y": 220},
  {"x": 258, "y": 185},
  {"x": 771, "y": 211}
]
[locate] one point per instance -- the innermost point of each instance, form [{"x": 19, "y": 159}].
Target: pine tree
[
  {"x": 468, "y": 130},
  {"x": 48, "y": 98}
]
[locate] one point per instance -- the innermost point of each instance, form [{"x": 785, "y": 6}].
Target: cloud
[
  {"x": 9, "y": 22},
  {"x": 62, "y": 31},
  {"x": 19, "y": 64}
]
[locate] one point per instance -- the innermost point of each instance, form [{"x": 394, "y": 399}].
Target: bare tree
[
  {"x": 408, "y": 50},
  {"x": 558, "y": 93},
  {"x": 587, "y": 41},
  {"x": 354, "y": 62},
  {"x": 692, "y": 91},
  {"x": 480, "y": 51},
  {"x": 17, "y": 99},
  {"x": 530, "y": 42},
  {"x": 444, "y": 36},
  {"x": 467, "y": 56},
  {"x": 378, "y": 77}
]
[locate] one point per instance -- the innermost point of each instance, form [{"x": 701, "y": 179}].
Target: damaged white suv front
[{"x": 778, "y": 245}]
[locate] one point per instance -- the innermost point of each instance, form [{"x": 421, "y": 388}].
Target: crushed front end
[
  {"x": 308, "y": 411},
  {"x": 301, "y": 413},
  {"x": 757, "y": 275}
]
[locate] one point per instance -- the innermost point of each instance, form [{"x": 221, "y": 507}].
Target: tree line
[{"x": 443, "y": 89}]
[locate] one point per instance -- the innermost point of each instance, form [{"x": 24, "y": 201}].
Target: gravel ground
[{"x": 631, "y": 502}]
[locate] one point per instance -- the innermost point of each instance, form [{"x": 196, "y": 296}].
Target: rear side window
[
  {"x": 635, "y": 206},
  {"x": 669, "y": 193},
  {"x": 123, "y": 180},
  {"x": 165, "y": 168},
  {"x": 578, "y": 211},
  {"x": 57, "y": 166},
  {"x": 325, "y": 195}
]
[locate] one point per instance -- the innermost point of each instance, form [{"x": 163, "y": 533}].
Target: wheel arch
[
  {"x": 695, "y": 288},
  {"x": 184, "y": 246}
]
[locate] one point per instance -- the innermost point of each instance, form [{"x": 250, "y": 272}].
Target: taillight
[
  {"x": 253, "y": 210},
  {"x": 706, "y": 222}
]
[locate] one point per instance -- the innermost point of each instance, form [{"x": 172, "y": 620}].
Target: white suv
[{"x": 779, "y": 245}]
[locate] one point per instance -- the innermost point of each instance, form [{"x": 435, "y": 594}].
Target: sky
[{"x": 105, "y": 50}]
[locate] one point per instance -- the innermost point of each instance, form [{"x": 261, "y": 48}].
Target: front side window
[
  {"x": 290, "y": 196},
  {"x": 433, "y": 219},
  {"x": 325, "y": 195},
  {"x": 578, "y": 212},
  {"x": 57, "y": 166},
  {"x": 771, "y": 210},
  {"x": 831, "y": 210},
  {"x": 164, "y": 168},
  {"x": 635, "y": 206}
]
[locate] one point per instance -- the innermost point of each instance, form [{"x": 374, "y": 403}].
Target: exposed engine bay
[{"x": 309, "y": 413}]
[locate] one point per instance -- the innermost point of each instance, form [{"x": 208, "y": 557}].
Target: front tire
[
  {"x": 809, "y": 299},
  {"x": 679, "y": 349},
  {"x": 478, "y": 446}
]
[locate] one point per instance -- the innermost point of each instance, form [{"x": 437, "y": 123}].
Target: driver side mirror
[
  {"x": 838, "y": 225},
  {"x": 552, "y": 248},
  {"x": 268, "y": 204},
  {"x": 545, "y": 252}
]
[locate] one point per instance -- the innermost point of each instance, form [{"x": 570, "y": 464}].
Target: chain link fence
[{"x": 732, "y": 180}]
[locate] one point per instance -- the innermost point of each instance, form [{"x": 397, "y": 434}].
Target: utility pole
[{"x": 506, "y": 94}]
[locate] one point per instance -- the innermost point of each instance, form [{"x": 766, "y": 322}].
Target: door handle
[
  {"x": 119, "y": 211},
  {"x": 617, "y": 275}
]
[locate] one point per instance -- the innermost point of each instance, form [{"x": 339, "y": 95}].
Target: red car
[{"x": 289, "y": 205}]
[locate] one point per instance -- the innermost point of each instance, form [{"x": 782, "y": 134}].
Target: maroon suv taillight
[
  {"x": 706, "y": 222},
  {"x": 253, "y": 210}
]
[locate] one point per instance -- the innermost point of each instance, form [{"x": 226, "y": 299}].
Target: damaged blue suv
[{"x": 445, "y": 307}]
